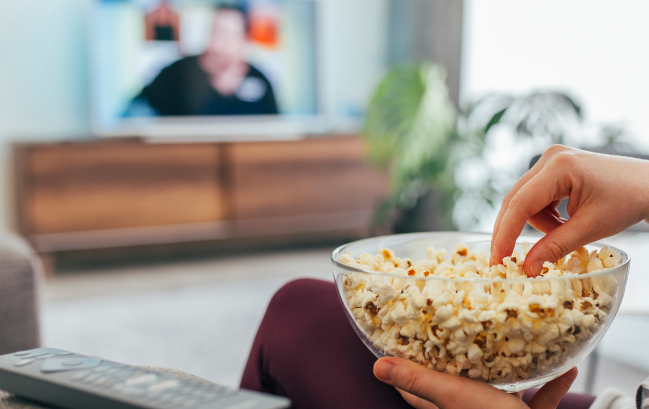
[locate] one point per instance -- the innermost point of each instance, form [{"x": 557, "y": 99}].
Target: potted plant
[
  {"x": 415, "y": 132},
  {"x": 412, "y": 132}
]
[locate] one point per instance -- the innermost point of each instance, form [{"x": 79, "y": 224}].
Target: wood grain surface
[
  {"x": 317, "y": 175},
  {"x": 112, "y": 193},
  {"x": 117, "y": 185}
]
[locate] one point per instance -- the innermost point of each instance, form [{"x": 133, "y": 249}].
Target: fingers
[
  {"x": 552, "y": 208},
  {"x": 577, "y": 231},
  {"x": 426, "y": 389},
  {"x": 540, "y": 191},
  {"x": 527, "y": 176},
  {"x": 547, "y": 155},
  {"x": 409, "y": 377},
  {"x": 549, "y": 396},
  {"x": 416, "y": 401},
  {"x": 443, "y": 390},
  {"x": 546, "y": 220}
]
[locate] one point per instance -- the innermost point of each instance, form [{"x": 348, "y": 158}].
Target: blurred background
[{"x": 173, "y": 163}]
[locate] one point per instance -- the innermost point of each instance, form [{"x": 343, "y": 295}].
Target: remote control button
[
  {"x": 164, "y": 385},
  {"x": 63, "y": 353},
  {"x": 102, "y": 369},
  {"x": 105, "y": 369},
  {"x": 120, "y": 387},
  {"x": 90, "y": 379},
  {"x": 62, "y": 364},
  {"x": 100, "y": 380},
  {"x": 24, "y": 362},
  {"x": 72, "y": 362},
  {"x": 134, "y": 392},
  {"x": 23, "y": 353},
  {"x": 106, "y": 385},
  {"x": 45, "y": 356},
  {"x": 140, "y": 379},
  {"x": 80, "y": 376}
]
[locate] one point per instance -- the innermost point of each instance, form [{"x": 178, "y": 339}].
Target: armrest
[{"x": 20, "y": 272}]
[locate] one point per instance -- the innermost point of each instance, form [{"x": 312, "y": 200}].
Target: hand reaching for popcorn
[
  {"x": 606, "y": 195},
  {"x": 426, "y": 389}
]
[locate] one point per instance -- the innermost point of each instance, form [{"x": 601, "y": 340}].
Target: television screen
[{"x": 159, "y": 59}]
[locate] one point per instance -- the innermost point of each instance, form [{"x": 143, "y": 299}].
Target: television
[{"x": 193, "y": 69}]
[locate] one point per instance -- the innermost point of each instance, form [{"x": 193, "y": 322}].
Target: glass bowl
[{"x": 514, "y": 334}]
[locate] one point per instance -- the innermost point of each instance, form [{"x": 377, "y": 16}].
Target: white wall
[
  {"x": 596, "y": 49},
  {"x": 43, "y": 92},
  {"x": 355, "y": 49}
]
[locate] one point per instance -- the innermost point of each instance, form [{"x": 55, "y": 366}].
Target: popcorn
[{"x": 497, "y": 331}]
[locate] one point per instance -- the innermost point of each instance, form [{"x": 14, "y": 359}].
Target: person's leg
[{"x": 306, "y": 349}]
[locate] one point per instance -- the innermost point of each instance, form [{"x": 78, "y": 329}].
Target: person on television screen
[{"x": 218, "y": 82}]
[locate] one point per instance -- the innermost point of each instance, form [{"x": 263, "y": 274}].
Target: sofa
[{"x": 20, "y": 275}]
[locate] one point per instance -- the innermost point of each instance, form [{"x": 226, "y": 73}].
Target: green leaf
[
  {"x": 494, "y": 120},
  {"x": 411, "y": 126}
]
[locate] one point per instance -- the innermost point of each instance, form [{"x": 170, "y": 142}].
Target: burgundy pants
[{"x": 306, "y": 349}]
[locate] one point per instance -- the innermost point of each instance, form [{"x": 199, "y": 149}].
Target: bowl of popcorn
[{"x": 433, "y": 298}]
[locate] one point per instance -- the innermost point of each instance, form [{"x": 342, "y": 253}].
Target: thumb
[
  {"x": 441, "y": 389},
  {"x": 549, "y": 396},
  {"x": 577, "y": 231}
]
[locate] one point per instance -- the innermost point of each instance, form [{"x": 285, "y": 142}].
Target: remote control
[{"x": 73, "y": 381}]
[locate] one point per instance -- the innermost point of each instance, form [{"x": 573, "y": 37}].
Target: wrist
[{"x": 643, "y": 191}]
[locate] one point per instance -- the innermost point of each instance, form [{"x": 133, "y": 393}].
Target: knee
[
  {"x": 301, "y": 296},
  {"x": 299, "y": 311},
  {"x": 298, "y": 294}
]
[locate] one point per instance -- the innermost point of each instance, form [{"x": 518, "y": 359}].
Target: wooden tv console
[{"x": 108, "y": 193}]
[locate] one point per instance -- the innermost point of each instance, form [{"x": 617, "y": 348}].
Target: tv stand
[{"x": 117, "y": 193}]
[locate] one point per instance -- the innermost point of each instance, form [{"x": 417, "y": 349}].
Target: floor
[{"x": 201, "y": 316}]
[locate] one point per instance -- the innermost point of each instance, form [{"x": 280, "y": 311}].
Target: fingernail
[
  {"x": 536, "y": 267},
  {"x": 384, "y": 370}
]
